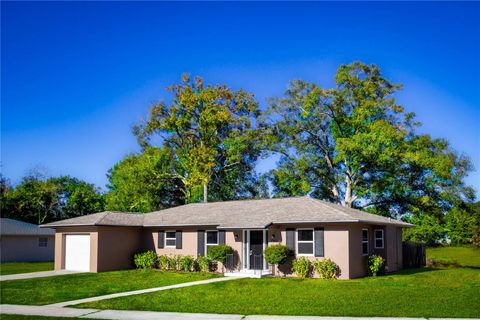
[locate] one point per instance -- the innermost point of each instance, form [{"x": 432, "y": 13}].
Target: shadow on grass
[
  {"x": 412, "y": 271},
  {"x": 433, "y": 263}
]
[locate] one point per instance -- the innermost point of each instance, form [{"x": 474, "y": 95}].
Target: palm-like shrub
[
  {"x": 326, "y": 268},
  {"x": 301, "y": 266}
]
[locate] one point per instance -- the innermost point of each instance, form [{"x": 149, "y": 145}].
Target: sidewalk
[
  {"x": 150, "y": 315},
  {"x": 40, "y": 274}
]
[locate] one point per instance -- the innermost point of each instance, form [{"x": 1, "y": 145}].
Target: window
[
  {"x": 379, "y": 239},
  {"x": 365, "y": 242},
  {"x": 212, "y": 239},
  {"x": 170, "y": 239},
  {"x": 305, "y": 242},
  {"x": 42, "y": 242}
]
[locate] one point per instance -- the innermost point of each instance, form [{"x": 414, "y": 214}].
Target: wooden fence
[{"x": 414, "y": 255}]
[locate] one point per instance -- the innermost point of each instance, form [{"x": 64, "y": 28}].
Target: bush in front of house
[
  {"x": 276, "y": 254},
  {"x": 203, "y": 263},
  {"x": 186, "y": 263},
  {"x": 163, "y": 262},
  {"x": 219, "y": 253},
  {"x": 375, "y": 264},
  {"x": 326, "y": 268},
  {"x": 301, "y": 267},
  {"x": 145, "y": 260}
]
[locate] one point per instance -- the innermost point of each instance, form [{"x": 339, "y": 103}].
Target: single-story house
[
  {"x": 312, "y": 228},
  {"x": 25, "y": 242}
]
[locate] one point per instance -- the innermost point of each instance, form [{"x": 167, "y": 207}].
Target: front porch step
[{"x": 248, "y": 273}]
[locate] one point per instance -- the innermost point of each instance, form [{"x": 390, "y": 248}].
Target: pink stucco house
[{"x": 312, "y": 228}]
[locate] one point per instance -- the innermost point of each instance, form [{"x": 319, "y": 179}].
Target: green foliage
[
  {"x": 209, "y": 129},
  {"x": 204, "y": 263},
  {"x": 164, "y": 262},
  {"x": 428, "y": 230},
  {"x": 144, "y": 182},
  {"x": 354, "y": 144},
  {"x": 276, "y": 254},
  {"x": 219, "y": 253},
  {"x": 326, "y": 268},
  {"x": 302, "y": 267},
  {"x": 38, "y": 199},
  {"x": 145, "y": 260},
  {"x": 375, "y": 264},
  {"x": 461, "y": 223},
  {"x": 186, "y": 263}
]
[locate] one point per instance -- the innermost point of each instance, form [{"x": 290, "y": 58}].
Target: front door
[{"x": 256, "y": 249}]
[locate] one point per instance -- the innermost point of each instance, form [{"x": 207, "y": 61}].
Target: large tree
[
  {"x": 210, "y": 130},
  {"x": 354, "y": 145},
  {"x": 37, "y": 199},
  {"x": 144, "y": 182}
]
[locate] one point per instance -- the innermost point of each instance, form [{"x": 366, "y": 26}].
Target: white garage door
[{"x": 77, "y": 252}]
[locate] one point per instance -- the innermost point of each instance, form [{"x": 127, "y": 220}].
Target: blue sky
[{"x": 76, "y": 76}]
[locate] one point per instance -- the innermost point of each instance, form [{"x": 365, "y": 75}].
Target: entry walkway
[
  {"x": 40, "y": 274},
  {"x": 131, "y": 293}
]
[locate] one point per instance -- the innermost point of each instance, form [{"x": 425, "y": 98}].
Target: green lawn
[
  {"x": 70, "y": 287},
  {"x": 410, "y": 293},
  {"x": 463, "y": 256},
  {"x": 24, "y": 267}
]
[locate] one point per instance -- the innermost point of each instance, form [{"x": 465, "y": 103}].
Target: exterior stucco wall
[
  {"x": 60, "y": 236},
  {"x": 26, "y": 249},
  {"x": 336, "y": 245},
  {"x": 392, "y": 251},
  {"x": 117, "y": 246}
]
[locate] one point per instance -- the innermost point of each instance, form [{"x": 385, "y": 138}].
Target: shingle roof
[
  {"x": 10, "y": 227},
  {"x": 261, "y": 213},
  {"x": 106, "y": 218},
  {"x": 235, "y": 214}
]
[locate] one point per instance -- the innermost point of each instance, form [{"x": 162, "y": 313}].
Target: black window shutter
[
  {"x": 200, "y": 243},
  {"x": 291, "y": 239},
  {"x": 161, "y": 238},
  {"x": 319, "y": 245},
  {"x": 178, "y": 239},
  {"x": 221, "y": 236}
]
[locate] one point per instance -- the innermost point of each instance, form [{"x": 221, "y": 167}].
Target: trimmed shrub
[
  {"x": 186, "y": 263},
  {"x": 375, "y": 264},
  {"x": 145, "y": 260},
  {"x": 219, "y": 253},
  {"x": 326, "y": 268},
  {"x": 301, "y": 267},
  {"x": 203, "y": 263},
  {"x": 276, "y": 254}
]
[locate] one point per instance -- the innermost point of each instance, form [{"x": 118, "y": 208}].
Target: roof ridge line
[
  {"x": 322, "y": 203},
  {"x": 105, "y": 213}
]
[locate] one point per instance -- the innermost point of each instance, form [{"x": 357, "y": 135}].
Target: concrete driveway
[{"x": 41, "y": 274}]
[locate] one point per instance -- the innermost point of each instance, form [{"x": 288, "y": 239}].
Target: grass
[
  {"x": 461, "y": 256},
  {"x": 410, "y": 293},
  {"x": 49, "y": 290},
  {"x": 24, "y": 267}
]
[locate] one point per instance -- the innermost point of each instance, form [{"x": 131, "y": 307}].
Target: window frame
[
  {"x": 206, "y": 240},
  {"x": 166, "y": 238},
  {"x": 365, "y": 241},
  {"x": 382, "y": 238},
  {"x": 305, "y": 241},
  {"x": 42, "y": 244}
]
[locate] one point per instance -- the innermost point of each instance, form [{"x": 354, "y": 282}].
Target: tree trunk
[
  {"x": 205, "y": 193},
  {"x": 348, "y": 191}
]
